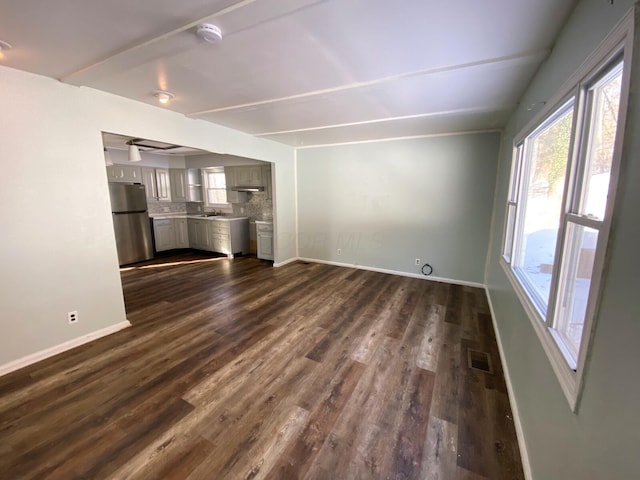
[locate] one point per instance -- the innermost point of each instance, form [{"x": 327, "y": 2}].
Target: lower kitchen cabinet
[
  {"x": 164, "y": 234},
  {"x": 264, "y": 233},
  {"x": 228, "y": 236},
  {"x": 170, "y": 233},
  {"x": 182, "y": 233},
  {"x": 199, "y": 234}
]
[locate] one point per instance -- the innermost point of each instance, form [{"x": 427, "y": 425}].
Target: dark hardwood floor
[{"x": 237, "y": 370}]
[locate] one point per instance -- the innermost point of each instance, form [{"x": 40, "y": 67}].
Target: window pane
[
  {"x": 605, "y": 102},
  {"x": 575, "y": 281},
  {"x": 216, "y": 195},
  {"x": 515, "y": 170},
  {"x": 546, "y": 157},
  {"x": 508, "y": 242},
  {"x": 216, "y": 180}
]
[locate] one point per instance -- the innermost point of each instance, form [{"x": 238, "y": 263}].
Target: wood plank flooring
[{"x": 237, "y": 370}]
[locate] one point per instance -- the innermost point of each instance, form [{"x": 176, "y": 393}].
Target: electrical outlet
[
  {"x": 339, "y": 251},
  {"x": 417, "y": 261},
  {"x": 72, "y": 316}
]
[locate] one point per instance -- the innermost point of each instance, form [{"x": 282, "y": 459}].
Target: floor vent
[{"x": 479, "y": 361}]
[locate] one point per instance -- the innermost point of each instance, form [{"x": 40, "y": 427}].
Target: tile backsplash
[
  {"x": 155, "y": 208},
  {"x": 257, "y": 207}
]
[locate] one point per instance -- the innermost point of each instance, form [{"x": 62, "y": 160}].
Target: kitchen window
[
  {"x": 559, "y": 206},
  {"x": 215, "y": 185}
]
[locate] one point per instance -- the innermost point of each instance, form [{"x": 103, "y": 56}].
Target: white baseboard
[
  {"x": 394, "y": 272},
  {"x": 63, "y": 347},
  {"x": 526, "y": 466},
  {"x": 286, "y": 262}
]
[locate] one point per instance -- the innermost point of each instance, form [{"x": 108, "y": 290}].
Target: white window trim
[
  {"x": 572, "y": 380},
  {"x": 224, "y": 206}
]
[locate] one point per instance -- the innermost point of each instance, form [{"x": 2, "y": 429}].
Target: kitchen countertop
[
  {"x": 164, "y": 216},
  {"x": 265, "y": 222}
]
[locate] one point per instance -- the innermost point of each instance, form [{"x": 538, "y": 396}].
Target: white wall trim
[
  {"x": 295, "y": 200},
  {"x": 394, "y": 272},
  {"x": 487, "y": 109},
  {"x": 410, "y": 137},
  {"x": 286, "y": 262},
  {"x": 524, "y": 455},
  {"x": 63, "y": 347}
]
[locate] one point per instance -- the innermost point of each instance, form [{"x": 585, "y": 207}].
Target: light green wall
[
  {"x": 57, "y": 247},
  {"x": 387, "y": 203},
  {"x": 601, "y": 440}
]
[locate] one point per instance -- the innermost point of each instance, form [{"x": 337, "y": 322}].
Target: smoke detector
[{"x": 209, "y": 33}]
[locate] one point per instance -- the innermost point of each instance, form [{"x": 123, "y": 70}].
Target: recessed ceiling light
[
  {"x": 209, "y": 33},
  {"x": 163, "y": 96}
]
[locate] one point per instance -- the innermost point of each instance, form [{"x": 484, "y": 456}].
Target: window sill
[{"x": 567, "y": 377}]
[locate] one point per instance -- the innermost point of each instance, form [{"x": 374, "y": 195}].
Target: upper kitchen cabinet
[
  {"x": 178, "y": 181},
  {"x": 194, "y": 185},
  {"x": 157, "y": 183},
  {"x": 266, "y": 177},
  {"x": 249, "y": 176},
  {"x": 230, "y": 175},
  {"x": 124, "y": 173}
]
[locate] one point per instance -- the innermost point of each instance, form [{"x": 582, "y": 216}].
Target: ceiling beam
[
  {"x": 518, "y": 59},
  {"x": 444, "y": 113}
]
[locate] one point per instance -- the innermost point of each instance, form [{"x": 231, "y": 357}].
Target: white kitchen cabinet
[
  {"x": 149, "y": 182},
  {"x": 164, "y": 234},
  {"x": 181, "y": 233},
  {"x": 230, "y": 236},
  {"x": 192, "y": 233},
  {"x": 194, "y": 185},
  {"x": 249, "y": 176},
  {"x": 219, "y": 232},
  {"x": 124, "y": 173},
  {"x": 230, "y": 174},
  {"x": 164, "y": 184},
  {"x": 170, "y": 233},
  {"x": 157, "y": 183},
  {"x": 199, "y": 237},
  {"x": 178, "y": 181},
  {"x": 264, "y": 232},
  {"x": 266, "y": 176}
]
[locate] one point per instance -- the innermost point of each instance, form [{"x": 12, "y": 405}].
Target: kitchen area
[{"x": 194, "y": 200}]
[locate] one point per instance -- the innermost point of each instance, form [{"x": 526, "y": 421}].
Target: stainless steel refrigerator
[{"x": 131, "y": 222}]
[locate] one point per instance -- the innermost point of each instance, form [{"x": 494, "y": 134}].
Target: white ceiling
[{"x": 301, "y": 72}]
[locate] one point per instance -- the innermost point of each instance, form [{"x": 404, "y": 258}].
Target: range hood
[{"x": 248, "y": 188}]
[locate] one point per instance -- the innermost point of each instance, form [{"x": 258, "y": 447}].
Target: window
[
  {"x": 215, "y": 186},
  {"x": 584, "y": 220},
  {"x": 544, "y": 159},
  {"x": 558, "y": 212}
]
